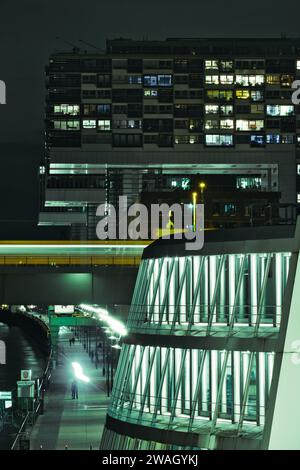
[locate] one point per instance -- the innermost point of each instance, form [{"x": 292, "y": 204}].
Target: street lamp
[
  {"x": 195, "y": 195},
  {"x": 202, "y": 186}
]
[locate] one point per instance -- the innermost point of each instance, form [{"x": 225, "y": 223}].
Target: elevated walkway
[
  {"x": 77, "y": 424},
  {"x": 73, "y": 253}
]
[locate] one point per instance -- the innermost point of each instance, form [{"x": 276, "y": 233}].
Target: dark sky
[{"x": 28, "y": 31}]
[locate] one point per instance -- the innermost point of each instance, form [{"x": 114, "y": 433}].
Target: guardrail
[
  {"x": 22, "y": 439},
  {"x": 70, "y": 260}
]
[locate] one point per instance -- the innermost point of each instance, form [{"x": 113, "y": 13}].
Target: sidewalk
[{"x": 77, "y": 424}]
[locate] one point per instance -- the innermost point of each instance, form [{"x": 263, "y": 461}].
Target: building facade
[
  {"x": 211, "y": 358},
  {"x": 143, "y": 115}
]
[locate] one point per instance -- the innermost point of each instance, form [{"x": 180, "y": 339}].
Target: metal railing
[
  {"x": 157, "y": 316},
  {"x": 37, "y": 408},
  {"x": 70, "y": 260}
]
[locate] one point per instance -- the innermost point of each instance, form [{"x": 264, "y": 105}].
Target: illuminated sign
[
  {"x": 5, "y": 395},
  {"x": 64, "y": 309},
  {"x": 26, "y": 374}
]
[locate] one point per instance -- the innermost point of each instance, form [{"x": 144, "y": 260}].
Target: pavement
[{"x": 69, "y": 423}]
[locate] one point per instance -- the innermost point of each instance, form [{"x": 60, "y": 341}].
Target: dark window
[
  {"x": 127, "y": 140},
  {"x": 104, "y": 81},
  {"x": 134, "y": 65}
]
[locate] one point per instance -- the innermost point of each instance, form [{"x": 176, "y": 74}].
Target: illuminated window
[
  {"x": 211, "y": 109},
  {"x": 273, "y": 138},
  {"x": 279, "y": 110},
  {"x": 150, "y": 80},
  {"x": 211, "y": 124},
  {"x": 134, "y": 79},
  {"x": 226, "y": 65},
  {"x": 218, "y": 140},
  {"x": 212, "y": 79},
  {"x": 250, "y": 182},
  {"x": 181, "y": 139},
  {"x": 249, "y": 80},
  {"x": 257, "y": 109},
  {"x": 226, "y": 95},
  {"x": 213, "y": 94},
  {"x": 193, "y": 139},
  {"x": 183, "y": 183},
  {"x": 126, "y": 124},
  {"x": 226, "y": 79},
  {"x": 298, "y": 197},
  {"x": 298, "y": 64},
  {"x": 226, "y": 124},
  {"x": 164, "y": 80},
  {"x": 104, "y": 125},
  {"x": 287, "y": 139},
  {"x": 242, "y": 94},
  {"x": 150, "y": 93},
  {"x": 256, "y": 95},
  {"x": 226, "y": 109},
  {"x": 134, "y": 124},
  {"x": 70, "y": 109},
  {"x": 186, "y": 139},
  {"x": 256, "y": 80},
  {"x": 211, "y": 65},
  {"x": 229, "y": 209},
  {"x": 298, "y": 141},
  {"x": 257, "y": 140},
  {"x": 273, "y": 79},
  {"x": 286, "y": 81},
  {"x": 67, "y": 125},
  {"x": 195, "y": 125},
  {"x": 242, "y": 80},
  {"x": 89, "y": 123},
  {"x": 249, "y": 124},
  {"x": 158, "y": 80}
]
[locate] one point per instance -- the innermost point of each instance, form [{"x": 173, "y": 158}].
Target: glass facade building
[{"x": 205, "y": 340}]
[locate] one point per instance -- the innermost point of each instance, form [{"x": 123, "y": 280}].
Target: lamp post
[
  {"x": 202, "y": 187},
  {"x": 195, "y": 195}
]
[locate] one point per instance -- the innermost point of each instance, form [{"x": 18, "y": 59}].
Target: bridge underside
[{"x": 101, "y": 285}]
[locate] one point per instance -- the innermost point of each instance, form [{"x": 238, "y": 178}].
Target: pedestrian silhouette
[{"x": 74, "y": 390}]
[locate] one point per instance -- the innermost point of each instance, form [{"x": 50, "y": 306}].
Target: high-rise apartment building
[{"x": 148, "y": 115}]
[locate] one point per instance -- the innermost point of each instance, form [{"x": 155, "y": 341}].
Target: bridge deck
[
  {"x": 75, "y": 423},
  {"x": 72, "y": 253}
]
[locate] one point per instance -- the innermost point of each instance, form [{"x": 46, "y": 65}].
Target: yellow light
[
  {"x": 202, "y": 185},
  {"x": 194, "y": 210}
]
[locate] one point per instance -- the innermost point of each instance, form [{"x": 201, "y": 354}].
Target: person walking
[{"x": 74, "y": 390}]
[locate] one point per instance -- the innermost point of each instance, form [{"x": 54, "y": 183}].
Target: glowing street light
[
  {"x": 194, "y": 210},
  {"x": 202, "y": 186},
  {"x": 79, "y": 372},
  {"x": 115, "y": 326}
]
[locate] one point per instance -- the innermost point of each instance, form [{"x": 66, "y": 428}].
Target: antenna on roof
[
  {"x": 75, "y": 48},
  {"x": 91, "y": 45}
]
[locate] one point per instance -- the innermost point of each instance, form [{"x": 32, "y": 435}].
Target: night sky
[{"x": 28, "y": 32}]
